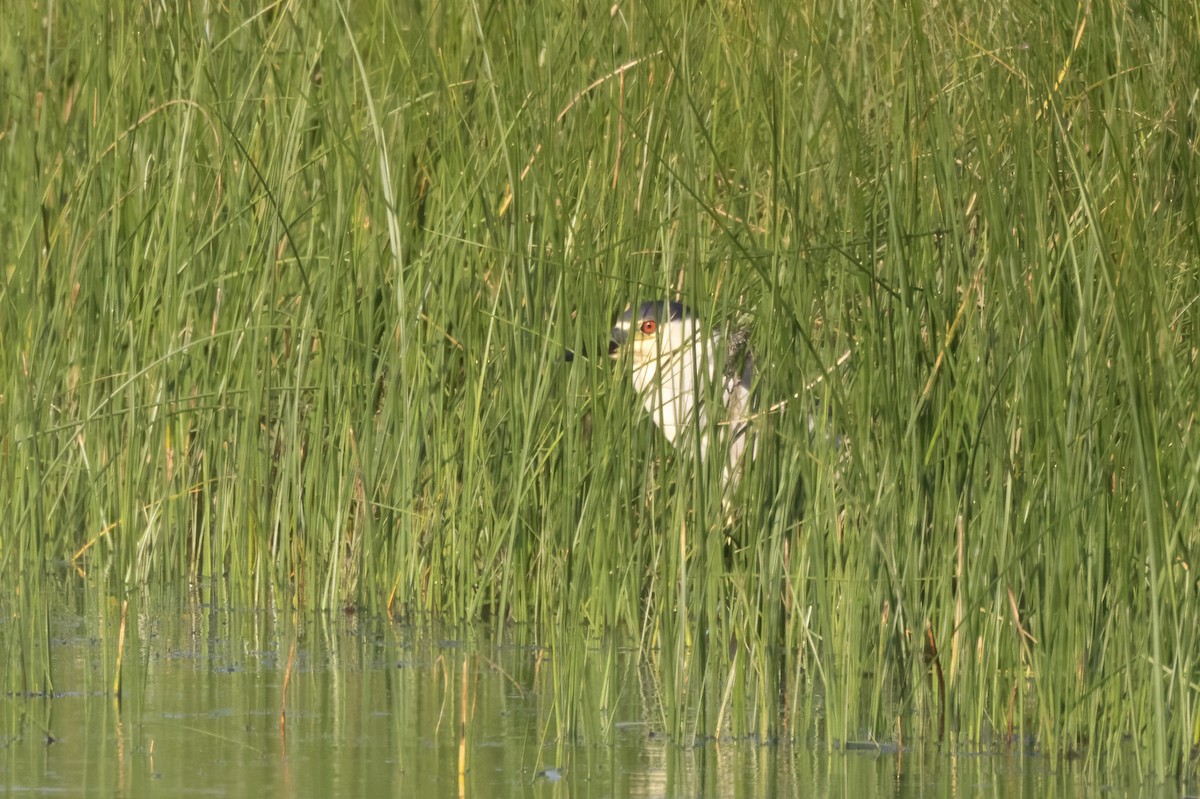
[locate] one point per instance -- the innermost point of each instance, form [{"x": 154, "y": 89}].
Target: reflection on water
[{"x": 241, "y": 702}]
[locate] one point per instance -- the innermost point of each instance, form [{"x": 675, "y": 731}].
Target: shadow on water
[{"x": 245, "y": 702}]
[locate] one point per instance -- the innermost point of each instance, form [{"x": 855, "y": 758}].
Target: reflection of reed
[{"x": 462, "y": 735}]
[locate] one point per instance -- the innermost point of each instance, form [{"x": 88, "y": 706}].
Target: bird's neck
[{"x": 671, "y": 387}]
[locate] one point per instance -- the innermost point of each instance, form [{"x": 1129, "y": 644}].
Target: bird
[{"x": 674, "y": 371}]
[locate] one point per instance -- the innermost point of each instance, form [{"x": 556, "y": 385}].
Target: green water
[{"x": 242, "y": 702}]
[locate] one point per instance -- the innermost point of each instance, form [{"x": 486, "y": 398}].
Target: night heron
[{"x": 675, "y": 365}]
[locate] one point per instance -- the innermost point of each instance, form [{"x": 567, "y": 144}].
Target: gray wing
[{"x": 739, "y": 359}]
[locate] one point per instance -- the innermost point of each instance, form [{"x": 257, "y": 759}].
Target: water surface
[{"x": 229, "y": 702}]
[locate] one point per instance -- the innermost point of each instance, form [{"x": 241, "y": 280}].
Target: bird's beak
[{"x": 616, "y": 339}]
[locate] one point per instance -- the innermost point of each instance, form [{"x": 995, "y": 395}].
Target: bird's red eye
[{"x": 649, "y": 326}]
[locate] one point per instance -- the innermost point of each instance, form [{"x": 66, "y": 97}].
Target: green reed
[{"x": 288, "y": 289}]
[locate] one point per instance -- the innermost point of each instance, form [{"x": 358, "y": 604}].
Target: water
[{"x": 211, "y": 707}]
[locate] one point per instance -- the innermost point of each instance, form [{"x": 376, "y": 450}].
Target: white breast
[{"x": 673, "y": 388}]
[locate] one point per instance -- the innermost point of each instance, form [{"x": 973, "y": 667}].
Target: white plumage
[{"x": 674, "y": 370}]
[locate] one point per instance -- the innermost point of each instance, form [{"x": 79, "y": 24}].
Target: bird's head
[{"x": 651, "y": 331}]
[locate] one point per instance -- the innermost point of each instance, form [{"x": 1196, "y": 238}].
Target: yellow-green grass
[{"x": 286, "y": 292}]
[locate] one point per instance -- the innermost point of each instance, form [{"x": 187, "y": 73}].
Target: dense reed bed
[{"x": 287, "y": 289}]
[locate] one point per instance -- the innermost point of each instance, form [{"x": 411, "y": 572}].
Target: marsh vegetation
[{"x": 286, "y": 292}]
